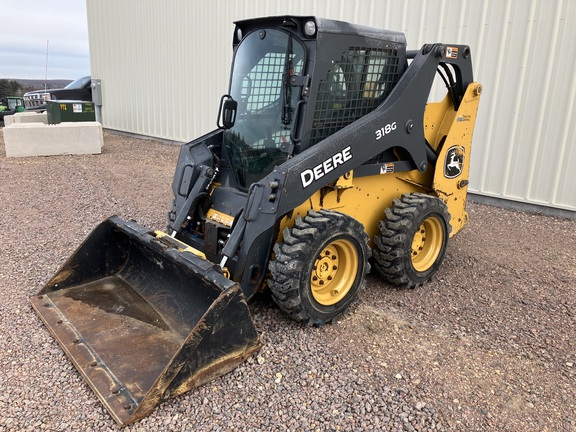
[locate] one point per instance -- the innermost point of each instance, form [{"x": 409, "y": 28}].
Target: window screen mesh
[
  {"x": 264, "y": 83},
  {"x": 356, "y": 85}
]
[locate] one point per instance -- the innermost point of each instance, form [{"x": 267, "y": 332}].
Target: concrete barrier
[
  {"x": 26, "y": 117},
  {"x": 8, "y": 120},
  {"x": 38, "y": 139}
]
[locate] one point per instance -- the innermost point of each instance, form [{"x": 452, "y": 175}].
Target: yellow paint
[
  {"x": 366, "y": 198},
  {"x": 427, "y": 244},
  {"x": 437, "y": 120},
  {"x": 334, "y": 271},
  {"x": 221, "y": 218},
  {"x": 184, "y": 248},
  {"x": 458, "y": 128},
  {"x": 188, "y": 248}
]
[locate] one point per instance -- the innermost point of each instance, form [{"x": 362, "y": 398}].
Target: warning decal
[
  {"x": 452, "y": 52},
  {"x": 387, "y": 168}
]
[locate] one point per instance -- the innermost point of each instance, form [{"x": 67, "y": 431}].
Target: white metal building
[{"x": 164, "y": 65}]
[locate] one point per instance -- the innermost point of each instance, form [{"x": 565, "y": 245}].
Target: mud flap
[{"x": 142, "y": 320}]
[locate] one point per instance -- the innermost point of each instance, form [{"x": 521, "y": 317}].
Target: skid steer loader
[{"x": 327, "y": 159}]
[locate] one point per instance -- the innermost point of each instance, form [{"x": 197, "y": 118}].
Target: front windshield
[
  {"x": 264, "y": 62},
  {"x": 79, "y": 83},
  {"x": 13, "y": 103}
]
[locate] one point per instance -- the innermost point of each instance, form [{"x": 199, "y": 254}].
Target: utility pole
[{"x": 46, "y": 71}]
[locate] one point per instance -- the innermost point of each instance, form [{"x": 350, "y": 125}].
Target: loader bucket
[{"x": 142, "y": 320}]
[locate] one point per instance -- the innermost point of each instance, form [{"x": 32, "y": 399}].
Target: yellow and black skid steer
[{"x": 328, "y": 160}]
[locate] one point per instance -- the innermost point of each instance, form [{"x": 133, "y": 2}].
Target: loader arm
[{"x": 397, "y": 122}]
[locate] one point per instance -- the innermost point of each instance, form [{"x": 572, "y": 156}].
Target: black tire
[
  {"x": 412, "y": 241},
  {"x": 319, "y": 266}
]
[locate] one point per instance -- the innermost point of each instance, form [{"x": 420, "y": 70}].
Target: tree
[{"x": 9, "y": 88}]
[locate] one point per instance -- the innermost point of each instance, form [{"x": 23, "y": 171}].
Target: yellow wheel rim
[
  {"x": 427, "y": 244},
  {"x": 334, "y": 272}
]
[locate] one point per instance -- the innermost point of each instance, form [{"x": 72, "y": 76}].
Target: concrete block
[
  {"x": 38, "y": 139},
  {"x": 26, "y": 117}
]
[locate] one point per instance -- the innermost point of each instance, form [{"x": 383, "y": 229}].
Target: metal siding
[{"x": 164, "y": 66}]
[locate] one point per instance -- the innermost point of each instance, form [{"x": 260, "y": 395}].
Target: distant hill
[{"x": 38, "y": 84}]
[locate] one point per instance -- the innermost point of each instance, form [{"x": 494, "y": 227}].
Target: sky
[{"x": 26, "y": 25}]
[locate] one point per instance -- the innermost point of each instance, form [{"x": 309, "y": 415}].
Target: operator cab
[{"x": 283, "y": 99}]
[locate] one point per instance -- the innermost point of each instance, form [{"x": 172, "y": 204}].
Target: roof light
[{"x": 310, "y": 28}]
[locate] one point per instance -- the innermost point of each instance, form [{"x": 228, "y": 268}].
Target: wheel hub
[
  {"x": 427, "y": 244},
  {"x": 334, "y": 272},
  {"x": 326, "y": 266}
]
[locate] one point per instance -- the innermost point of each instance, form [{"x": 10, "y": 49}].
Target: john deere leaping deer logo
[{"x": 454, "y": 162}]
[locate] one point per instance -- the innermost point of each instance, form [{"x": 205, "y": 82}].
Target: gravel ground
[{"x": 489, "y": 344}]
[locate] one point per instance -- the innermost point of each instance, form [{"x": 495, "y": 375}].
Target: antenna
[{"x": 46, "y": 72}]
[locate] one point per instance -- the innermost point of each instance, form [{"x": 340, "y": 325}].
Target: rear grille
[{"x": 36, "y": 100}]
